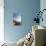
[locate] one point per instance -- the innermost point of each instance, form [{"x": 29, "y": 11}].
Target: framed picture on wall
[{"x": 17, "y": 19}]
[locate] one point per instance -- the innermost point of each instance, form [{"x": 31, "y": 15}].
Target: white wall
[
  {"x": 43, "y": 6},
  {"x": 1, "y": 21}
]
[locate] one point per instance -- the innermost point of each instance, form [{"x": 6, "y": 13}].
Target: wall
[
  {"x": 43, "y": 6},
  {"x": 1, "y": 21},
  {"x": 27, "y": 8}
]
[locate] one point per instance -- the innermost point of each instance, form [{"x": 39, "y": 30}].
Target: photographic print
[{"x": 16, "y": 19}]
